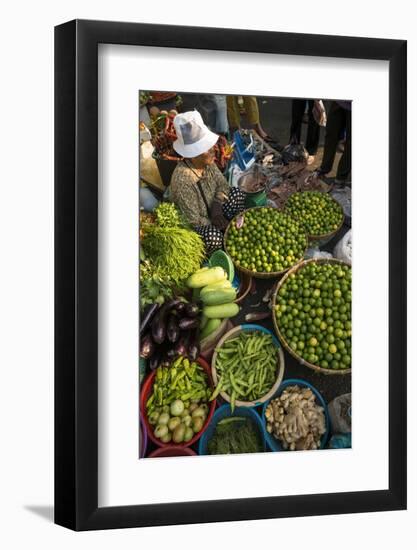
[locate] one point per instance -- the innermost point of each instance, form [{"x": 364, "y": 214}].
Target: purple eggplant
[
  {"x": 171, "y": 353},
  {"x": 194, "y": 345},
  {"x": 187, "y": 323},
  {"x": 173, "y": 330},
  {"x": 147, "y": 316},
  {"x": 180, "y": 307},
  {"x": 159, "y": 321},
  {"x": 165, "y": 360},
  {"x": 147, "y": 346},
  {"x": 192, "y": 310},
  {"x": 155, "y": 360},
  {"x": 181, "y": 347}
]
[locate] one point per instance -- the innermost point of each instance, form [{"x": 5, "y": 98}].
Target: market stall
[{"x": 237, "y": 343}]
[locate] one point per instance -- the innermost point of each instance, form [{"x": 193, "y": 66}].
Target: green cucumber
[
  {"x": 219, "y": 296},
  {"x": 221, "y": 312},
  {"x": 203, "y": 322},
  {"x": 210, "y": 327},
  {"x": 220, "y": 284},
  {"x": 206, "y": 277}
]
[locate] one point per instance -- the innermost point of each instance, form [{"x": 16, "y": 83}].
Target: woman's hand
[{"x": 222, "y": 197}]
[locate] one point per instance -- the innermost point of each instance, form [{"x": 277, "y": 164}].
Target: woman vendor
[{"x": 197, "y": 186}]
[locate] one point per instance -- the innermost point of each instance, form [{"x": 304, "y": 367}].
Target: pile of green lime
[
  {"x": 317, "y": 212},
  {"x": 265, "y": 240},
  {"x": 313, "y": 313}
]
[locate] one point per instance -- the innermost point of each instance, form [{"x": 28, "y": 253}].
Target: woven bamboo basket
[
  {"x": 257, "y": 274},
  {"x": 277, "y": 330},
  {"x": 325, "y": 237}
]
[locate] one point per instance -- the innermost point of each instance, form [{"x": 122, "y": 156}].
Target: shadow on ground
[{"x": 45, "y": 512}]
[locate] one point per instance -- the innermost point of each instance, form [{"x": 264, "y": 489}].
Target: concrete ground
[{"x": 275, "y": 116}]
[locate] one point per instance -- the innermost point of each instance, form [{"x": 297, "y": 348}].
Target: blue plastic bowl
[
  {"x": 236, "y": 281},
  {"x": 224, "y": 412},
  {"x": 273, "y": 443},
  {"x": 251, "y": 327}
]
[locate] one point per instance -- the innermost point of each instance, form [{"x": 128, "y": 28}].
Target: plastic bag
[
  {"x": 317, "y": 253},
  {"x": 343, "y": 249},
  {"x": 340, "y": 412},
  {"x": 234, "y": 174},
  {"x": 294, "y": 152}
]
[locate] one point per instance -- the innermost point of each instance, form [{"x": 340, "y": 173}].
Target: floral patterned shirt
[{"x": 185, "y": 194}]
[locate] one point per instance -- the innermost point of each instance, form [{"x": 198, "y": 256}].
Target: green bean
[
  {"x": 234, "y": 385},
  {"x": 247, "y": 366},
  {"x": 217, "y": 390}
]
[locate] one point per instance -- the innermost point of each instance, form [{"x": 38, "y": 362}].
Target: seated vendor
[{"x": 197, "y": 186}]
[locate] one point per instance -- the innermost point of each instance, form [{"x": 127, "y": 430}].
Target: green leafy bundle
[
  {"x": 234, "y": 435},
  {"x": 168, "y": 215},
  {"x": 174, "y": 252}
]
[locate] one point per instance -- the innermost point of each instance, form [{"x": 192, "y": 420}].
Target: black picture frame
[{"x": 76, "y": 270}]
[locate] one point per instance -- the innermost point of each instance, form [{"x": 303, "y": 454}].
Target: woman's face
[{"x": 205, "y": 158}]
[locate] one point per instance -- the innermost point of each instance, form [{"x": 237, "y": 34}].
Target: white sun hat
[{"x": 193, "y": 136}]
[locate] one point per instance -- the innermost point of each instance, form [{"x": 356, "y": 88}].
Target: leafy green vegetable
[
  {"x": 168, "y": 215},
  {"x": 169, "y": 253},
  {"x": 174, "y": 252},
  {"x": 153, "y": 288},
  {"x": 235, "y": 435}
]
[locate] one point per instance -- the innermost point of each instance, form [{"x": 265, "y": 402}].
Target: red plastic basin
[
  {"x": 145, "y": 394},
  {"x": 172, "y": 450}
]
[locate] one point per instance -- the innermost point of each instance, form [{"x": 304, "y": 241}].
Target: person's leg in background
[
  {"x": 222, "y": 125},
  {"x": 233, "y": 114},
  {"x": 345, "y": 163},
  {"x": 297, "y": 111},
  {"x": 252, "y": 113},
  {"x": 313, "y": 132},
  {"x": 251, "y": 107},
  {"x": 336, "y": 119},
  {"x": 207, "y": 108}
]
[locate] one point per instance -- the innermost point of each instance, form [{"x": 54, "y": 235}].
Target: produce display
[
  {"x": 313, "y": 313},
  {"x": 177, "y": 408},
  {"x": 264, "y": 240},
  {"x": 234, "y": 435},
  {"x": 169, "y": 331},
  {"x": 176, "y": 252},
  {"x": 318, "y": 213},
  {"x": 246, "y": 366},
  {"x": 167, "y": 215},
  {"x": 295, "y": 419},
  {"x": 258, "y": 394},
  {"x": 169, "y": 252},
  {"x": 216, "y": 295}
]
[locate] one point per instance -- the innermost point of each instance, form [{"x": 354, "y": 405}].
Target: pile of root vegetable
[{"x": 295, "y": 419}]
